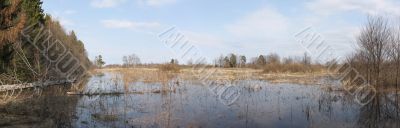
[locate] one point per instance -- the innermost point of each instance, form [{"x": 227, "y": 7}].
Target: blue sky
[{"x": 114, "y": 28}]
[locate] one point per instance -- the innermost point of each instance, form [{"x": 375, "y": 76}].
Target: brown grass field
[{"x": 230, "y": 74}]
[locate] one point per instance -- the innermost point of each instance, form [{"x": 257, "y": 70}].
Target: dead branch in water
[{"x": 4, "y": 88}]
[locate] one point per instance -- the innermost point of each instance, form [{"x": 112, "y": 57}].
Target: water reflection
[
  {"x": 52, "y": 108},
  {"x": 190, "y": 104},
  {"x": 261, "y": 104}
]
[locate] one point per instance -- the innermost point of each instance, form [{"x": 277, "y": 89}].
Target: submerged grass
[{"x": 105, "y": 118}]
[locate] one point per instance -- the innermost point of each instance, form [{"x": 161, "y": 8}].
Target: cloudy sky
[{"x": 114, "y": 28}]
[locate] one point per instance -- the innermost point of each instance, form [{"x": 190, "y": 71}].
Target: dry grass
[
  {"x": 296, "y": 78},
  {"x": 169, "y": 68},
  {"x": 143, "y": 74},
  {"x": 291, "y": 68},
  {"x": 146, "y": 75},
  {"x": 230, "y": 74}
]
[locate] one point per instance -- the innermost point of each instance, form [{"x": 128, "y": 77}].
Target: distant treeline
[
  {"x": 30, "y": 39},
  {"x": 269, "y": 63}
]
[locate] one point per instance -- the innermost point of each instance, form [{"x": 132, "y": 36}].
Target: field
[{"x": 230, "y": 74}]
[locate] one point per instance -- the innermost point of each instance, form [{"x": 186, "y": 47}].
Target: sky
[{"x": 114, "y": 28}]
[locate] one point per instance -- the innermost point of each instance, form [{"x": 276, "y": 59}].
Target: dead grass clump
[
  {"x": 147, "y": 75},
  {"x": 169, "y": 67}
]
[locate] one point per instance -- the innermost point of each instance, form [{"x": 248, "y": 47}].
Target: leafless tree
[
  {"x": 273, "y": 58},
  {"x": 131, "y": 60},
  {"x": 394, "y": 52},
  {"x": 288, "y": 60},
  {"x": 220, "y": 61},
  {"x": 306, "y": 59},
  {"x": 373, "y": 42}
]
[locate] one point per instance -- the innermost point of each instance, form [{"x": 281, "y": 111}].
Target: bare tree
[
  {"x": 220, "y": 61},
  {"x": 131, "y": 60},
  {"x": 306, "y": 59},
  {"x": 273, "y": 58},
  {"x": 373, "y": 42},
  {"x": 288, "y": 60},
  {"x": 394, "y": 53}
]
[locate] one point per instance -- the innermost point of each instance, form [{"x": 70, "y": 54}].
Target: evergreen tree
[
  {"x": 99, "y": 61},
  {"x": 12, "y": 21},
  {"x": 226, "y": 62},
  {"x": 261, "y": 61},
  {"x": 243, "y": 60},
  {"x": 232, "y": 60},
  {"x": 18, "y": 57},
  {"x": 33, "y": 10}
]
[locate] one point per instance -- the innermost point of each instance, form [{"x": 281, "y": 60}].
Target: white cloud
[
  {"x": 267, "y": 30},
  {"x": 263, "y": 23},
  {"x": 156, "y": 2},
  {"x": 126, "y": 24},
  {"x": 371, "y": 7},
  {"x": 203, "y": 39},
  {"x": 106, "y": 3}
]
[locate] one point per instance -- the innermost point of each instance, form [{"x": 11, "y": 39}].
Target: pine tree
[
  {"x": 12, "y": 21},
  {"x": 232, "y": 60},
  {"x": 33, "y": 10},
  {"x": 261, "y": 61},
  {"x": 99, "y": 61}
]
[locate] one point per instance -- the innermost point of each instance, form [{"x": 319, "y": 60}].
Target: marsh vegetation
[
  {"x": 47, "y": 80},
  {"x": 154, "y": 98}
]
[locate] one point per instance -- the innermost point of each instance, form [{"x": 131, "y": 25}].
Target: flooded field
[
  {"x": 109, "y": 101},
  {"x": 191, "y": 104}
]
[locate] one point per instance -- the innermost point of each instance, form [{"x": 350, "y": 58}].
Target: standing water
[{"x": 192, "y": 104}]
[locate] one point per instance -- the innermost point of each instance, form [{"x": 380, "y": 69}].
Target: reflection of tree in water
[
  {"x": 328, "y": 98},
  {"x": 190, "y": 105},
  {"x": 146, "y": 109},
  {"x": 382, "y": 111},
  {"x": 52, "y": 108},
  {"x": 334, "y": 108},
  {"x": 59, "y": 108}
]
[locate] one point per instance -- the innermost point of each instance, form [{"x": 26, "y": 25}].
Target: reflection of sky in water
[{"x": 274, "y": 105}]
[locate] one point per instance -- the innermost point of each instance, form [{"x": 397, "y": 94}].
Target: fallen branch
[{"x": 4, "y": 88}]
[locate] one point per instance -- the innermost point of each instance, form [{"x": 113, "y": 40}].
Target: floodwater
[
  {"x": 191, "y": 104},
  {"x": 255, "y": 103}
]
